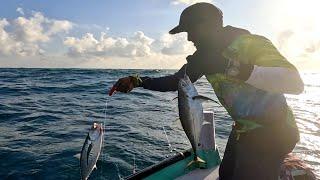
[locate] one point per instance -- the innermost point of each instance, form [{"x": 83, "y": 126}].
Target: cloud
[
  {"x": 20, "y": 10},
  {"x": 6, "y": 41},
  {"x": 283, "y": 38},
  {"x": 174, "y": 44},
  {"x": 139, "y": 45},
  {"x": 313, "y": 47},
  {"x": 30, "y": 30},
  {"x": 10, "y": 46},
  {"x": 298, "y": 43},
  {"x": 26, "y": 41},
  {"x": 39, "y": 28},
  {"x": 295, "y": 31},
  {"x": 58, "y": 26},
  {"x": 24, "y": 36},
  {"x": 188, "y": 2},
  {"x": 301, "y": 46},
  {"x": 88, "y": 45}
]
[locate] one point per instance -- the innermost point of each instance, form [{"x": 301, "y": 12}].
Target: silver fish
[
  {"x": 91, "y": 150},
  {"x": 191, "y": 113}
]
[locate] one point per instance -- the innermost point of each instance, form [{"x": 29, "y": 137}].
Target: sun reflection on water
[{"x": 306, "y": 108}]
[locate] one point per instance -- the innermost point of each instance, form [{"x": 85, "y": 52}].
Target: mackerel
[
  {"x": 91, "y": 150},
  {"x": 191, "y": 114}
]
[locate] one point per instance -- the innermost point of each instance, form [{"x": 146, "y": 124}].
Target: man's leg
[
  {"x": 251, "y": 164},
  {"x": 259, "y": 153},
  {"x": 228, "y": 161}
]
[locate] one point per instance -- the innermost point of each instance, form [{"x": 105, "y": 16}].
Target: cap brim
[{"x": 177, "y": 29}]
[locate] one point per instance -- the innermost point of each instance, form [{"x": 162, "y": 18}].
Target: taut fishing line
[
  {"x": 104, "y": 155},
  {"x": 171, "y": 149},
  {"x": 169, "y": 144},
  {"x": 104, "y": 127},
  {"x": 134, "y": 164}
]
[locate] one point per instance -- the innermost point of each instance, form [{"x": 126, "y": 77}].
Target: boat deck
[{"x": 202, "y": 174}]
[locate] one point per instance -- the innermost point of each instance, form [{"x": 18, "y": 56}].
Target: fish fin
[
  {"x": 185, "y": 72},
  {"x": 88, "y": 153},
  {"x": 177, "y": 123},
  {"x": 174, "y": 98},
  {"x": 198, "y": 162},
  {"x": 77, "y": 156},
  {"x": 177, "y": 120},
  {"x": 203, "y": 98}
]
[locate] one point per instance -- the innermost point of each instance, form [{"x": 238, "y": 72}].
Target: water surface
[{"x": 45, "y": 115}]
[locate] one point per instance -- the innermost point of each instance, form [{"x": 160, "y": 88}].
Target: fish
[
  {"x": 91, "y": 150},
  {"x": 191, "y": 114}
]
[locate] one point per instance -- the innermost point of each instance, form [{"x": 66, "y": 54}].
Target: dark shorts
[{"x": 257, "y": 154}]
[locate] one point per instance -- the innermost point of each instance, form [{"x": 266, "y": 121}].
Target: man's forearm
[
  {"x": 170, "y": 83},
  {"x": 163, "y": 84}
]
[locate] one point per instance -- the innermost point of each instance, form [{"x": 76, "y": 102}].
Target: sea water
[{"x": 45, "y": 115}]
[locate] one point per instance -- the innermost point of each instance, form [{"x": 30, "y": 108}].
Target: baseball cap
[{"x": 195, "y": 14}]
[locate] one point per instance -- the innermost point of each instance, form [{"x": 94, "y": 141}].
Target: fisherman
[{"x": 264, "y": 129}]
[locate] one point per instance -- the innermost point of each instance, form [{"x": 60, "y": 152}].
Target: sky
[{"x": 134, "y": 34}]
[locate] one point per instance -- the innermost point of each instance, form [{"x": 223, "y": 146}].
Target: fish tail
[{"x": 198, "y": 162}]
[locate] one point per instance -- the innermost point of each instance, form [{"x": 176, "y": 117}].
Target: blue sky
[
  {"x": 127, "y": 34},
  {"x": 123, "y": 16},
  {"x": 152, "y": 16}
]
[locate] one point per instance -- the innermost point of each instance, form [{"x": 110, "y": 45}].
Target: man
[{"x": 249, "y": 77}]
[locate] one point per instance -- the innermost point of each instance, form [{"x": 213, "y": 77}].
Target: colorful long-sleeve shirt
[{"x": 247, "y": 73}]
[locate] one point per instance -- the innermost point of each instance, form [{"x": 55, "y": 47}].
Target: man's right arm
[
  {"x": 170, "y": 83},
  {"x": 163, "y": 84}
]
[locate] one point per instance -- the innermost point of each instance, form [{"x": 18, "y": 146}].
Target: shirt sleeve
[
  {"x": 272, "y": 72},
  {"x": 276, "y": 79},
  {"x": 170, "y": 82}
]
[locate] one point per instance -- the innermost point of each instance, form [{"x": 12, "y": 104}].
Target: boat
[{"x": 176, "y": 167}]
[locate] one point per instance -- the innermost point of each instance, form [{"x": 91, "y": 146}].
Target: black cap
[{"x": 197, "y": 13}]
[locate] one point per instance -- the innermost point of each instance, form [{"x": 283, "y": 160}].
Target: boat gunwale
[{"x": 159, "y": 166}]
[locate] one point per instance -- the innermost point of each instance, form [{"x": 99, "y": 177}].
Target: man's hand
[{"x": 125, "y": 84}]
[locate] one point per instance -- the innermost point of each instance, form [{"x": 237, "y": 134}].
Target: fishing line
[
  {"x": 118, "y": 171},
  {"x": 104, "y": 123},
  {"x": 134, "y": 160},
  {"x": 171, "y": 149},
  {"x": 134, "y": 164},
  {"x": 105, "y": 109},
  {"x": 169, "y": 144},
  {"x": 103, "y": 155}
]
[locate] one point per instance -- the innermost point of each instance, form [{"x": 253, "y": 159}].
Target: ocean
[{"x": 45, "y": 115}]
